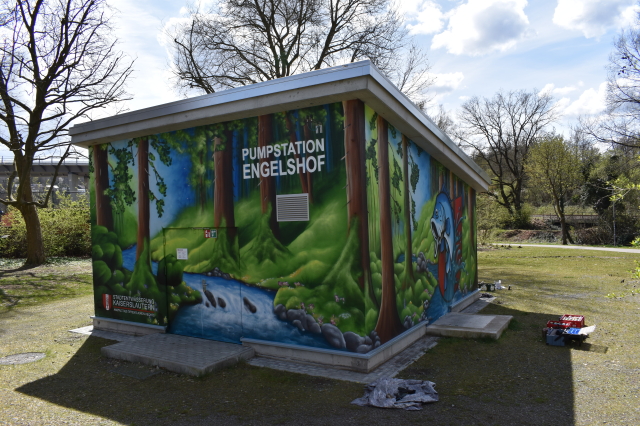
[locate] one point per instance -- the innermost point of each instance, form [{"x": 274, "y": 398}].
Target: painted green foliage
[{"x": 213, "y": 176}]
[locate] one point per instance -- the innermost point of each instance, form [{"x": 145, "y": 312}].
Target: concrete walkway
[
  {"x": 180, "y": 354},
  {"x": 189, "y": 355},
  {"x": 614, "y": 249}
]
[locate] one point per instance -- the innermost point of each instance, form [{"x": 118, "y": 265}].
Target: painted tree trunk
[
  {"x": 408, "y": 257},
  {"x": 104, "y": 216},
  {"x": 355, "y": 160},
  {"x": 471, "y": 211},
  {"x": 389, "y": 324},
  {"x": 293, "y": 139},
  {"x": 143, "y": 197},
  {"x": 202, "y": 188},
  {"x": 309, "y": 177},
  {"x": 223, "y": 214},
  {"x": 267, "y": 184},
  {"x": 452, "y": 191}
]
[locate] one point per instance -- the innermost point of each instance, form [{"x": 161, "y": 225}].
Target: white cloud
[
  {"x": 563, "y": 104},
  {"x": 591, "y": 101},
  {"x": 594, "y": 17},
  {"x": 482, "y": 26},
  {"x": 446, "y": 82},
  {"x": 139, "y": 27},
  {"x": 551, "y": 88},
  {"x": 424, "y": 17}
]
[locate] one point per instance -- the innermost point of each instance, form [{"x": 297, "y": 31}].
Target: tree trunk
[
  {"x": 355, "y": 161},
  {"x": 267, "y": 184},
  {"x": 389, "y": 325},
  {"x": 143, "y": 197},
  {"x": 408, "y": 257},
  {"x": 35, "y": 246},
  {"x": 293, "y": 138},
  {"x": 563, "y": 227},
  {"x": 104, "y": 216},
  {"x": 558, "y": 206},
  {"x": 223, "y": 213}
]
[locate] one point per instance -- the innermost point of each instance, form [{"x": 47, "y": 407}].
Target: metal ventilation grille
[{"x": 292, "y": 207}]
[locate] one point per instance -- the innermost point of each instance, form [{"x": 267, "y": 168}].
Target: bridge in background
[
  {"x": 73, "y": 176},
  {"x": 584, "y": 220}
]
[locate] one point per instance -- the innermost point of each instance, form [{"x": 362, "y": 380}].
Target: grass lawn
[
  {"x": 59, "y": 278},
  {"x": 514, "y": 381}
]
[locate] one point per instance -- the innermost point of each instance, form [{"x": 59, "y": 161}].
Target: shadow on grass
[
  {"x": 17, "y": 268},
  {"x": 518, "y": 379},
  {"x": 36, "y": 289},
  {"x": 515, "y": 380},
  {"x": 133, "y": 394}
]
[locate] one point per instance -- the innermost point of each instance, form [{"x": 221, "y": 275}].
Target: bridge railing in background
[{"x": 573, "y": 219}]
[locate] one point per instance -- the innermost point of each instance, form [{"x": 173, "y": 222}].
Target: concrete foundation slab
[
  {"x": 389, "y": 369},
  {"x": 194, "y": 356},
  {"x": 180, "y": 354},
  {"x": 456, "y": 324},
  {"x": 463, "y": 304},
  {"x": 363, "y": 363},
  {"x": 125, "y": 327},
  {"x": 109, "y": 335}
]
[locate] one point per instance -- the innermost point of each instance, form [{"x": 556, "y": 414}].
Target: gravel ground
[{"x": 516, "y": 380}]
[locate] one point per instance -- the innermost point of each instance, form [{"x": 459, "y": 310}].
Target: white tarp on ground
[{"x": 397, "y": 393}]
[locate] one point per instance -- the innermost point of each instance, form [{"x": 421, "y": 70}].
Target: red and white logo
[{"x": 106, "y": 301}]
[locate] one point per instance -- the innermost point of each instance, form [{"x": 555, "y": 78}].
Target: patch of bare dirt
[{"x": 531, "y": 235}]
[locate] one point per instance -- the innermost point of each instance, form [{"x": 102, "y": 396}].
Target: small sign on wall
[
  {"x": 211, "y": 233},
  {"x": 182, "y": 254}
]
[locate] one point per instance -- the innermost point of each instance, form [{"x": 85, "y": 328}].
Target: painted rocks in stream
[
  {"x": 359, "y": 344},
  {"x": 421, "y": 263},
  {"x": 332, "y": 334},
  {"x": 250, "y": 306},
  {"x": 221, "y": 302},
  {"x": 408, "y": 322},
  {"x": 312, "y": 325},
  {"x": 216, "y": 272},
  {"x": 281, "y": 311},
  {"x": 211, "y": 298}
]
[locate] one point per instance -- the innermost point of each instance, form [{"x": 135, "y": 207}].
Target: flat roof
[{"x": 361, "y": 80}]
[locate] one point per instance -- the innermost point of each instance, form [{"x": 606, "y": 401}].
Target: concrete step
[
  {"x": 473, "y": 326},
  {"x": 180, "y": 354}
]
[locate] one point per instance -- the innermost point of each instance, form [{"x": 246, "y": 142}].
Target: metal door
[{"x": 206, "y": 256}]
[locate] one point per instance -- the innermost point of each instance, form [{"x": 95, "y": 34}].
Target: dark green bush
[{"x": 65, "y": 230}]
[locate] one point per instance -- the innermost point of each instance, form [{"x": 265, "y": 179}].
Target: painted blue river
[{"x": 234, "y": 321}]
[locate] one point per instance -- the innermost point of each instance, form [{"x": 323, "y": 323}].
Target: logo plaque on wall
[{"x": 106, "y": 301}]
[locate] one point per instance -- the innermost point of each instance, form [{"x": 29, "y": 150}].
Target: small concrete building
[{"x": 321, "y": 213}]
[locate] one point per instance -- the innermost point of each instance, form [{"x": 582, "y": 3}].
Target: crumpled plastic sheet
[{"x": 397, "y": 393}]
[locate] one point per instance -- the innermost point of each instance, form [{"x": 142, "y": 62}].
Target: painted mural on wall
[{"x": 186, "y": 231}]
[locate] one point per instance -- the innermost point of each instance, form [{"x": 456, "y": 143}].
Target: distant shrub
[
  {"x": 65, "y": 230},
  {"x": 518, "y": 220}
]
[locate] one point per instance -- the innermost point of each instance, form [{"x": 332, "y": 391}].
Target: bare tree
[
  {"x": 443, "y": 120},
  {"x": 58, "y": 63},
  {"x": 500, "y": 131},
  {"x": 240, "y": 42},
  {"x": 619, "y": 125}
]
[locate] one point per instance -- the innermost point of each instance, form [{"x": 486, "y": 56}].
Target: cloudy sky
[{"x": 476, "y": 47}]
